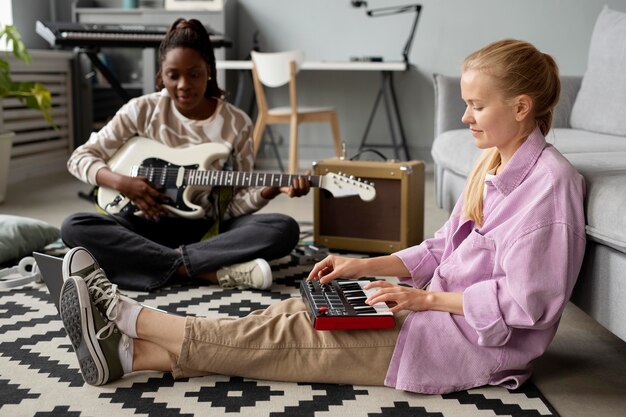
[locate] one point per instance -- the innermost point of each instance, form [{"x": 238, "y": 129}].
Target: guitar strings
[{"x": 170, "y": 174}]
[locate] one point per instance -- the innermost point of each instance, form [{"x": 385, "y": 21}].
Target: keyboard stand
[{"x": 92, "y": 54}]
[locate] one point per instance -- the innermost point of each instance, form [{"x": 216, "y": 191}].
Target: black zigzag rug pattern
[{"x": 39, "y": 375}]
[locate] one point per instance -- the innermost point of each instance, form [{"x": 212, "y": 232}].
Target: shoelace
[
  {"x": 236, "y": 278},
  {"x": 105, "y": 296}
]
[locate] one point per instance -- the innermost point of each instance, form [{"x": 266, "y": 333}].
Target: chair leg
[
  {"x": 257, "y": 134},
  {"x": 293, "y": 146},
  {"x": 275, "y": 148},
  {"x": 334, "y": 125}
]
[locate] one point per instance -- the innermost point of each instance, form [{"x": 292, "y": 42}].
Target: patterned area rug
[{"x": 39, "y": 374}]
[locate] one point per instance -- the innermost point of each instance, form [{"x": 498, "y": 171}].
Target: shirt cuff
[
  {"x": 420, "y": 263},
  {"x": 93, "y": 171},
  {"x": 482, "y": 312}
]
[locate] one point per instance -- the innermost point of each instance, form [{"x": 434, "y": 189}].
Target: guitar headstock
[{"x": 342, "y": 185}]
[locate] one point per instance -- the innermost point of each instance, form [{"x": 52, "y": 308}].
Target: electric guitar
[{"x": 176, "y": 172}]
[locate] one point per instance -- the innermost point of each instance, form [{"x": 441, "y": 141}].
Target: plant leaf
[
  {"x": 33, "y": 95},
  {"x": 13, "y": 37}
]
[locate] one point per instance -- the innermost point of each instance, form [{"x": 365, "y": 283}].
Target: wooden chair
[{"x": 275, "y": 69}]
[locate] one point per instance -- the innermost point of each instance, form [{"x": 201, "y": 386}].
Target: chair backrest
[{"x": 273, "y": 68}]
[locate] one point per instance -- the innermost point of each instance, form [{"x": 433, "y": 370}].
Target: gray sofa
[{"x": 599, "y": 157}]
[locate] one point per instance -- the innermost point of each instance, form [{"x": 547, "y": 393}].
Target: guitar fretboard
[{"x": 192, "y": 177}]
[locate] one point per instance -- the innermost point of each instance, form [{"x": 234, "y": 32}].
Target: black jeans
[{"x": 139, "y": 254}]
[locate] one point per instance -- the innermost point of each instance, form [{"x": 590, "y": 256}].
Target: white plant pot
[{"x": 6, "y": 142}]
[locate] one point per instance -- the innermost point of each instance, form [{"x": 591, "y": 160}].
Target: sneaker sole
[
  {"x": 77, "y": 317},
  {"x": 267, "y": 274}
]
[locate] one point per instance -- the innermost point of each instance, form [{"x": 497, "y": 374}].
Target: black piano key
[{"x": 351, "y": 286}]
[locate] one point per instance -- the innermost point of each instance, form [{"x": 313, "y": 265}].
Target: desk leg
[
  {"x": 241, "y": 78},
  {"x": 396, "y": 109},
  {"x": 390, "y": 118},
  {"x": 387, "y": 91}
]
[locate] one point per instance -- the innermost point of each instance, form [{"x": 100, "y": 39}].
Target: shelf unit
[{"x": 38, "y": 148}]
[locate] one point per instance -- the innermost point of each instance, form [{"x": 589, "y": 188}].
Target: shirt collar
[{"x": 520, "y": 163}]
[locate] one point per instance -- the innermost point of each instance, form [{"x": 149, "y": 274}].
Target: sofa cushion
[
  {"x": 605, "y": 179},
  {"x": 579, "y": 141},
  {"x": 455, "y": 149},
  {"x": 601, "y": 102}
]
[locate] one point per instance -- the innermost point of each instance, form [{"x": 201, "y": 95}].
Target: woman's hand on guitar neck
[
  {"x": 138, "y": 190},
  {"x": 299, "y": 187}
]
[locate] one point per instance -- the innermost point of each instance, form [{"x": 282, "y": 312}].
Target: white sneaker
[{"x": 253, "y": 274}]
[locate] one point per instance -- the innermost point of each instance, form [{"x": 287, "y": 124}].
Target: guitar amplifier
[{"x": 392, "y": 221}]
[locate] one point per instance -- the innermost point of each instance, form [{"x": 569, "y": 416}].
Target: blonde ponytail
[{"x": 473, "y": 195}]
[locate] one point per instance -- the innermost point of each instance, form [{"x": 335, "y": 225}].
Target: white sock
[
  {"x": 125, "y": 352},
  {"x": 127, "y": 313}
]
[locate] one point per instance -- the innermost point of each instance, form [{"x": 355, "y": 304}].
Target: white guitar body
[
  {"x": 138, "y": 149},
  {"x": 177, "y": 171}
]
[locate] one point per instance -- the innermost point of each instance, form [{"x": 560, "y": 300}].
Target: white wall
[
  {"x": 448, "y": 30},
  {"x": 6, "y": 18}
]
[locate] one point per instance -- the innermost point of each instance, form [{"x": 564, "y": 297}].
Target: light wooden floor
[{"x": 583, "y": 374}]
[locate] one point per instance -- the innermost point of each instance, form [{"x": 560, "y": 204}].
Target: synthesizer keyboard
[
  {"x": 110, "y": 35},
  {"x": 340, "y": 305}
]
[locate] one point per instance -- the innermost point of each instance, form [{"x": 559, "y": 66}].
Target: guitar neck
[
  {"x": 245, "y": 179},
  {"x": 194, "y": 177}
]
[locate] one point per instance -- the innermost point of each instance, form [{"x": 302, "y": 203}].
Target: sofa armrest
[
  {"x": 570, "y": 84},
  {"x": 449, "y": 106}
]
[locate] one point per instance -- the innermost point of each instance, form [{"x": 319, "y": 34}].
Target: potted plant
[{"x": 33, "y": 95}]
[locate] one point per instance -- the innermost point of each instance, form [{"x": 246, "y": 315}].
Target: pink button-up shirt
[{"x": 516, "y": 273}]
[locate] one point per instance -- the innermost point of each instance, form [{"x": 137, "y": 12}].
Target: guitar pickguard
[
  {"x": 138, "y": 150},
  {"x": 167, "y": 183}
]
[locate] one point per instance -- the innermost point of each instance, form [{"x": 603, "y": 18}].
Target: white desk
[
  {"x": 385, "y": 91},
  {"x": 324, "y": 65}
]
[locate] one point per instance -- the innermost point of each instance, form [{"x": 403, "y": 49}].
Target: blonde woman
[{"x": 484, "y": 296}]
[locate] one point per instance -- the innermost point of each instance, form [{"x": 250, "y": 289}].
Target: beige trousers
[{"x": 280, "y": 344}]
